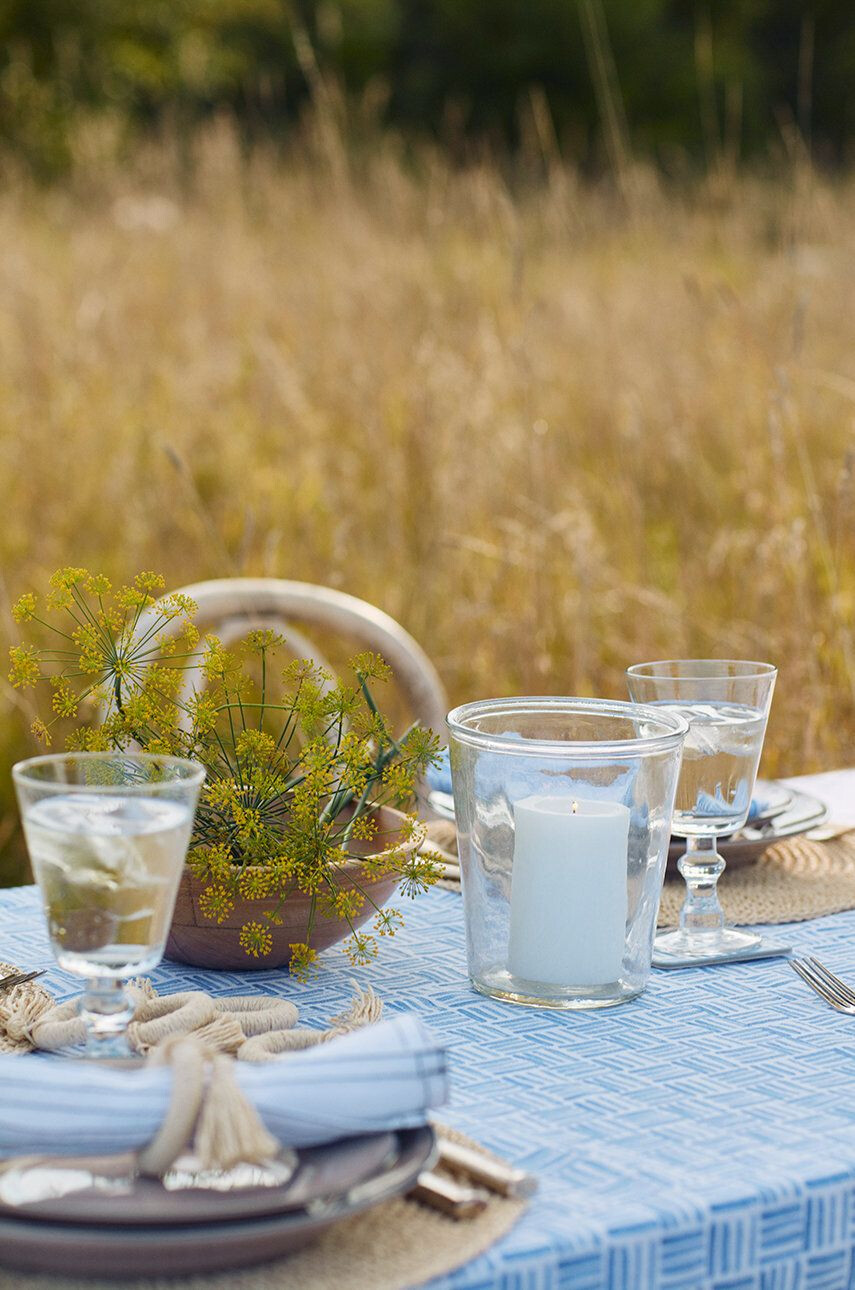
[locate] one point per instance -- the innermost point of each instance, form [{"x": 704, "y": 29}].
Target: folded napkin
[
  {"x": 439, "y": 776},
  {"x": 383, "y": 1077},
  {"x": 716, "y": 804}
]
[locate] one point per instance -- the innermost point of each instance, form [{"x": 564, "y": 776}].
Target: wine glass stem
[
  {"x": 701, "y": 866},
  {"x": 106, "y": 1010}
]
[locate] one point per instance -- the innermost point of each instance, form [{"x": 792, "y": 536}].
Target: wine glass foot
[
  {"x": 114, "y": 1047},
  {"x": 720, "y": 945}
]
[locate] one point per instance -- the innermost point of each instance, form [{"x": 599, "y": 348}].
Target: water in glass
[
  {"x": 108, "y": 868},
  {"x": 721, "y": 753}
]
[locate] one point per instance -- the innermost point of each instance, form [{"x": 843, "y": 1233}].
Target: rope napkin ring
[
  {"x": 206, "y": 1107},
  {"x": 249, "y": 1027}
]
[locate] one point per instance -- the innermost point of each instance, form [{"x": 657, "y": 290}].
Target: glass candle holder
[{"x": 563, "y": 816}]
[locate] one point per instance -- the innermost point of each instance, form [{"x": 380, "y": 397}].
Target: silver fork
[
  {"x": 824, "y": 983},
  {"x": 18, "y": 978}
]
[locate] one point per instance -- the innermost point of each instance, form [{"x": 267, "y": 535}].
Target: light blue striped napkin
[{"x": 383, "y": 1077}]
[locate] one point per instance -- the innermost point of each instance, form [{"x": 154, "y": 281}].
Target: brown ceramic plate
[
  {"x": 80, "y": 1191},
  {"x": 147, "y": 1249}
]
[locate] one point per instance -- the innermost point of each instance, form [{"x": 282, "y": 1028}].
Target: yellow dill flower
[
  {"x": 60, "y": 595},
  {"x": 220, "y": 862},
  {"x": 24, "y": 671},
  {"x": 164, "y": 681},
  {"x": 302, "y": 959},
  {"x": 163, "y": 745},
  {"x": 175, "y": 604},
  {"x": 300, "y": 670},
  {"x": 197, "y": 862},
  {"x": 110, "y": 619},
  {"x": 86, "y": 740},
  {"x": 365, "y": 828},
  {"x": 369, "y": 666},
  {"x": 131, "y": 599},
  {"x": 212, "y": 863},
  {"x": 387, "y": 921},
  {"x": 398, "y": 778},
  {"x": 254, "y": 746},
  {"x": 420, "y": 746},
  {"x": 361, "y": 948},
  {"x": 221, "y": 793},
  {"x": 311, "y": 707},
  {"x": 281, "y": 870},
  {"x": 202, "y": 713},
  {"x": 139, "y": 711},
  {"x": 149, "y": 582},
  {"x": 41, "y": 732},
  {"x": 347, "y": 902},
  {"x": 64, "y": 702},
  {"x": 24, "y": 608},
  {"x": 216, "y": 903},
  {"x": 256, "y": 939},
  {"x": 408, "y": 827},
  {"x": 188, "y": 637},
  {"x": 255, "y": 881},
  {"x": 91, "y": 646},
  {"x": 263, "y": 639},
  {"x": 248, "y": 820},
  {"x": 215, "y": 662}
]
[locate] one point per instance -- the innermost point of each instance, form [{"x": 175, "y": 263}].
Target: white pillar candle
[{"x": 568, "y": 891}]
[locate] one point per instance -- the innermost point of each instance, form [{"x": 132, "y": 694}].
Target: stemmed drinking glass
[
  {"x": 107, "y": 835},
  {"x": 726, "y": 703}
]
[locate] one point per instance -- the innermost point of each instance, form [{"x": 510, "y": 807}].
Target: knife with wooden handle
[
  {"x": 456, "y": 1199},
  {"x": 485, "y": 1170}
]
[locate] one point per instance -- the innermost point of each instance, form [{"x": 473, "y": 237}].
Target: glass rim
[
  {"x": 672, "y": 727},
  {"x": 21, "y": 772},
  {"x": 755, "y": 670}
]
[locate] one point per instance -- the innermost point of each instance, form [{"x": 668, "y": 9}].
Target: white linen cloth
[
  {"x": 834, "y": 787},
  {"x": 383, "y": 1077}
]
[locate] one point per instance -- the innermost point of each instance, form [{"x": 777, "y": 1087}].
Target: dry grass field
[{"x": 551, "y": 429}]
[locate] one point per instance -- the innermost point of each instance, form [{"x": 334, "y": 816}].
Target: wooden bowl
[{"x": 202, "y": 942}]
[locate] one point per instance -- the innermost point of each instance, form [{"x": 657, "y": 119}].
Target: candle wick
[{"x": 575, "y": 808}]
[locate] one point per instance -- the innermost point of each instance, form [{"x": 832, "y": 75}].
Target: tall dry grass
[{"x": 551, "y": 429}]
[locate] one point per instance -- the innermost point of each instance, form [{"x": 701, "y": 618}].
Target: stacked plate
[
  {"x": 778, "y": 812},
  {"x": 97, "y": 1220}
]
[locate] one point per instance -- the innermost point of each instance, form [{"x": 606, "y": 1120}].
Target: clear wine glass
[
  {"x": 726, "y": 703},
  {"x": 107, "y": 835}
]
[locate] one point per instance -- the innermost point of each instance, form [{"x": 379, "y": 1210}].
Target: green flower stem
[
  {"x": 87, "y": 613},
  {"x": 51, "y": 627}
]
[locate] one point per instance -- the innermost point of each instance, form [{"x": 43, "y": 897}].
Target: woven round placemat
[
  {"x": 791, "y": 882},
  {"x": 395, "y": 1246}
]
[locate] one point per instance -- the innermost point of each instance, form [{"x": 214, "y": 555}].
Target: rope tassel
[{"x": 229, "y": 1130}]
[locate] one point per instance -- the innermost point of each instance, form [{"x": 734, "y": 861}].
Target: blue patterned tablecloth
[{"x": 700, "y": 1137}]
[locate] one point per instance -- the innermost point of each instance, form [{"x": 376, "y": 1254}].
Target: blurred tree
[{"x": 716, "y": 78}]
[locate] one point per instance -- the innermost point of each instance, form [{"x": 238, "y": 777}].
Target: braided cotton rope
[{"x": 249, "y": 1027}]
